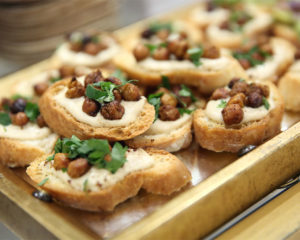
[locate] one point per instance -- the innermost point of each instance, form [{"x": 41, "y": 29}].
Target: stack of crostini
[{"x": 108, "y": 119}]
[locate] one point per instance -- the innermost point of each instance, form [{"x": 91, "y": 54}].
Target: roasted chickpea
[
  {"x": 211, "y": 52},
  {"x": 232, "y": 114},
  {"x": 141, "y": 52},
  {"x": 76, "y": 89},
  {"x": 113, "y": 80},
  {"x": 257, "y": 56},
  {"x": 117, "y": 95},
  {"x": 178, "y": 47},
  {"x": 254, "y": 100},
  {"x": 239, "y": 99},
  {"x": 61, "y": 161},
  {"x": 112, "y": 111},
  {"x": 233, "y": 81},
  {"x": 76, "y": 46},
  {"x": 18, "y": 105},
  {"x": 225, "y": 25},
  {"x": 66, "y": 71},
  {"x": 148, "y": 33},
  {"x": 19, "y": 119},
  {"x": 163, "y": 34},
  {"x": 259, "y": 88},
  {"x": 220, "y": 93},
  {"x": 239, "y": 87},
  {"x": 130, "y": 92},
  {"x": 186, "y": 100},
  {"x": 93, "y": 78},
  {"x": 168, "y": 99},
  {"x": 168, "y": 113},
  {"x": 41, "y": 121},
  {"x": 78, "y": 167},
  {"x": 90, "y": 107},
  {"x": 40, "y": 88},
  {"x": 245, "y": 63},
  {"x": 161, "y": 53}
]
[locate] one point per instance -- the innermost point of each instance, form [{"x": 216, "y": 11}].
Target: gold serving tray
[{"x": 222, "y": 185}]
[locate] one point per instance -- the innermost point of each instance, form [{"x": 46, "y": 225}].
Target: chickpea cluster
[
  {"x": 171, "y": 48},
  {"x": 241, "y": 94},
  {"x": 111, "y": 110},
  {"x": 89, "y": 44},
  {"x": 17, "y": 114}
]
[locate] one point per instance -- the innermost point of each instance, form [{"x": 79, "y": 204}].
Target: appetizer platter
[{"x": 154, "y": 130}]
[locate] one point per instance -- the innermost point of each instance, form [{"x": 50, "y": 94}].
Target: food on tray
[
  {"x": 95, "y": 106},
  {"x": 37, "y": 85},
  {"x": 238, "y": 115},
  {"x": 172, "y": 128},
  {"x": 24, "y": 135},
  {"x": 92, "y": 50},
  {"x": 94, "y": 176},
  {"x": 265, "y": 59},
  {"x": 243, "y": 21},
  {"x": 289, "y": 87},
  {"x": 177, "y": 57}
]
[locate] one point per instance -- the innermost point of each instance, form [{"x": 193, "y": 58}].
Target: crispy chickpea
[
  {"x": 40, "y": 88},
  {"x": 141, "y": 52},
  {"x": 41, "y": 121},
  {"x": 211, "y": 52},
  {"x": 76, "y": 89},
  {"x": 61, "y": 161},
  {"x": 66, "y": 71},
  {"x": 239, "y": 87},
  {"x": 178, "y": 47},
  {"x": 93, "y": 78},
  {"x": 130, "y": 92},
  {"x": 239, "y": 99},
  {"x": 259, "y": 88},
  {"x": 117, "y": 95},
  {"x": 257, "y": 56},
  {"x": 76, "y": 46},
  {"x": 168, "y": 113},
  {"x": 90, "y": 107},
  {"x": 245, "y": 63},
  {"x": 168, "y": 99},
  {"x": 220, "y": 93},
  {"x": 112, "y": 111},
  {"x": 148, "y": 33},
  {"x": 233, "y": 81},
  {"x": 19, "y": 119},
  {"x": 186, "y": 100},
  {"x": 18, "y": 105},
  {"x": 113, "y": 80},
  {"x": 161, "y": 53},
  {"x": 254, "y": 100},
  {"x": 225, "y": 25},
  {"x": 163, "y": 34},
  {"x": 232, "y": 114},
  {"x": 78, "y": 167}
]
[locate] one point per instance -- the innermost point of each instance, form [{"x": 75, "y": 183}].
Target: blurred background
[{"x": 31, "y": 29}]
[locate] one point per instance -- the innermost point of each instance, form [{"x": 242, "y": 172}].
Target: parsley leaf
[
  {"x": 118, "y": 157},
  {"x": 85, "y": 185},
  {"x": 266, "y": 103},
  {"x": 157, "y": 26},
  {"x": 120, "y": 75},
  {"x": 43, "y": 182},
  {"x": 154, "y": 99},
  {"x": 222, "y": 104},
  {"x": 32, "y": 111},
  {"x": 165, "y": 82},
  {"x": 195, "y": 54},
  {"x": 55, "y": 79},
  {"x": 186, "y": 92},
  {"x": 153, "y": 47},
  {"x": 64, "y": 169},
  {"x": 4, "y": 119},
  {"x": 50, "y": 158},
  {"x": 249, "y": 56},
  {"x": 17, "y": 96},
  {"x": 225, "y": 2},
  {"x": 185, "y": 110},
  {"x": 102, "y": 95}
]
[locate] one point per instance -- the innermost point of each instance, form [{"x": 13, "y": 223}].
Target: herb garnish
[
  {"x": 85, "y": 187},
  {"x": 153, "y": 47},
  {"x": 94, "y": 150},
  {"x": 195, "y": 54},
  {"x": 154, "y": 99},
  {"x": 186, "y": 92},
  {"x": 266, "y": 103},
  {"x": 165, "y": 82},
  {"x": 225, "y": 2},
  {"x": 32, "y": 111},
  {"x": 43, "y": 182},
  {"x": 5, "y": 119},
  {"x": 17, "y": 96},
  {"x": 55, "y": 79},
  {"x": 222, "y": 104},
  {"x": 104, "y": 94},
  {"x": 157, "y": 26},
  {"x": 120, "y": 75},
  {"x": 185, "y": 110},
  {"x": 249, "y": 55}
]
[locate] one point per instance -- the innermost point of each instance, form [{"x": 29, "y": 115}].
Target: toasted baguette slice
[
  {"x": 171, "y": 141},
  {"x": 217, "y": 137},
  {"x": 62, "y": 122},
  {"x": 18, "y": 153},
  {"x": 289, "y": 87},
  {"x": 167, "y": 175},
  {"x": 207, "y": 77}
]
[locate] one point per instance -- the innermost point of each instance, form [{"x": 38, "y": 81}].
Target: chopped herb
[
  {"x": 225, "y": 2},
  {"x": 120, "y": 75},
  {"x": 157, "y": 26},
  {"x": 43, "y": 182},
  {"x": 154, "y": 99},
  {"x": 17, "y": 96},
  {"x": 118, "y": 157},
  {"x": 266, "y": 103},
  {"x": 95, "y": 39},
  {"x": 195, "y": 54},
  {"x": 186, "y": 92},
  {"x": 4, "y": 119},
  {"x": 55, "y": 79},
  {"x": 64, "y": 169},
  {"x": 165, "y": 82},
  {"x": 32, "y": 111},
  {"x": 222, "y": 104},
  {"x": 50, "y": 158},
  {"x": 185, "y": 110},
  {"x": 85, "y": 185},
  {"x": 5, "y": 129},
  {"x": 104, "y": 94},
  {"x": 249, "y": 55},
  {"x": 153, "y": 47}
]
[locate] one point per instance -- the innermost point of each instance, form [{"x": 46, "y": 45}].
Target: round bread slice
[
  {"x": 166, "y": 176},
  {"x": 289, "y": 87},
  {"x": 61, "y": 121},
  {"x": 206, "y": 78},
  {"x": 172, "y": 141},
  {"x": 217, "y": 137}
]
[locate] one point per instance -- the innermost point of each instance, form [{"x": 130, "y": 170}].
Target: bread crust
[
  {"x": 216, "y": 137},
  {"x": 205, "y": 81},
  {"x": 62, "y": 122},
  {"x": 182, "y": 136},
  {"x": 168, "y": 175}
]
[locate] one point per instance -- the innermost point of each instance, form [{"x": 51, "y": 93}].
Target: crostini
[
  {"x": 93, "y": 176},
  {"x": 180, "y": 59},
  {"x": 91, "y": 50},
  {"x": 172, "y": 129},
  {"x": 238, "y": 115},
  {"x": 24, "y": 135},
  {"x": 96, "y": 107}
]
